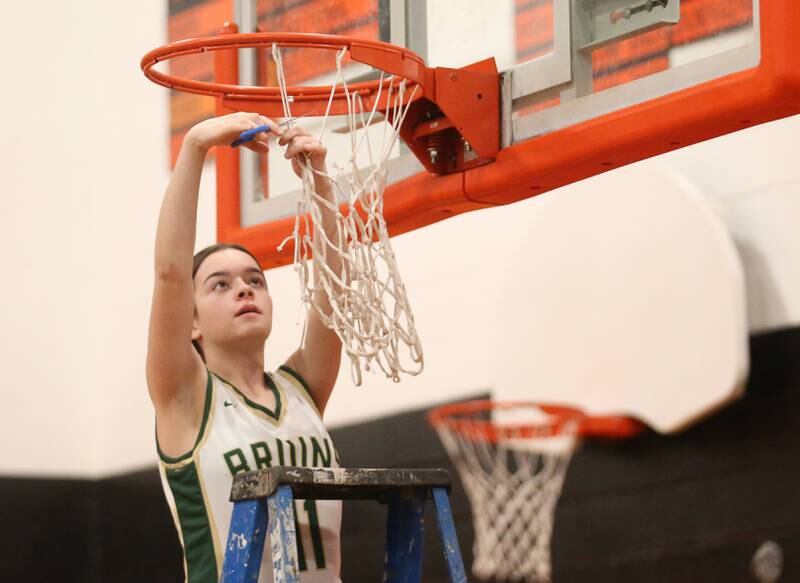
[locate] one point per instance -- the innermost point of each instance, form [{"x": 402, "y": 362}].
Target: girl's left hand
[{"x": 300, "y": 145}]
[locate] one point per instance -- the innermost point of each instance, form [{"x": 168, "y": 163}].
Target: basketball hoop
[
  {"x": 394, "y": 61},
  {"x": 512, "y": 459},
  {"x": 370, "y": 311}
]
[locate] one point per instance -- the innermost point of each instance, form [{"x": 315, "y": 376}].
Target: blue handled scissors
[{"x": 249, "y": 135}]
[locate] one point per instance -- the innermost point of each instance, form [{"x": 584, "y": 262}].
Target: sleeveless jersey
[{"x": 238, "y": 435}]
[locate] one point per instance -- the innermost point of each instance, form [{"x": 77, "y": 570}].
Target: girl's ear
[{"x": 196, "y": 335}]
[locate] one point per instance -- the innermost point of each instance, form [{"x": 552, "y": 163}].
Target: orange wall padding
[
  {"x": 358, "y": 18},
  {"x": 533, "y": 28},
  {"x": 188, "y": 20}
]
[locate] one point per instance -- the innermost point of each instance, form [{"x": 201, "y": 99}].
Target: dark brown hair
[{"x": 201, "y": 256}]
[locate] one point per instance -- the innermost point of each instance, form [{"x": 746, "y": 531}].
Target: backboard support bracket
[
  {"x": 608, "y": 21},
  {"x": 460, "y": 128}
]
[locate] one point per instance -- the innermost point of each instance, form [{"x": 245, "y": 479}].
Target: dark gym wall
[{"x": 686, "y": 508}]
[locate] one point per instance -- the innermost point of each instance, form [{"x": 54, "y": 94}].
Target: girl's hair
[{"x": 197, "y": 261}]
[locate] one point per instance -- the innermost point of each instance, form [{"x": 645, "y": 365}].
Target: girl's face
[{"x": 232, "y": 304}]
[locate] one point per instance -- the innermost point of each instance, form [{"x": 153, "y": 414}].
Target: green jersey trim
[
  {"x": 197, "y": 537},
  {"x": 274, "y": 415},
  {"x": 206, "y": 411}
]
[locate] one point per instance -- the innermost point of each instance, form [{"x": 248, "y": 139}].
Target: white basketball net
[
  {"x": 370, "y": 309},
  {"x": 513, "y": 486}
]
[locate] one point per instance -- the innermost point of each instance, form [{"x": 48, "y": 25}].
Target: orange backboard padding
[{"x": 765, "y": 93}]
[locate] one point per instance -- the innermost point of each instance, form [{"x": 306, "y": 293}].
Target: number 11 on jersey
[{"x": 310, "y": 508}]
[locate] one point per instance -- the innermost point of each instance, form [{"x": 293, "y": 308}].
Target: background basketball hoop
[{"x": 512, "y": 459}]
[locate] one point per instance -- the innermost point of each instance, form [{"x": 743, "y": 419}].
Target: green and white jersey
[{"x": 238, "y": 435}]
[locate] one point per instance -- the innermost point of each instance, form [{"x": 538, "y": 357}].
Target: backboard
[
  {"x": 626, "y": 301},
  {"x": 585, "y": 86}
]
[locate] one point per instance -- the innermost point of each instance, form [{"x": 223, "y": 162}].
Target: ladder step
[{"x": 336, "y": 483}]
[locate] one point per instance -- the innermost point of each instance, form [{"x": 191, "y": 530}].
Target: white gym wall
[{"x": 85, "y": 165}]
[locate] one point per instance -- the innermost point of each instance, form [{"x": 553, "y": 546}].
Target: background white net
[
  {"x": 513, "y": 479},
  {"x": 370, "y": 308}
]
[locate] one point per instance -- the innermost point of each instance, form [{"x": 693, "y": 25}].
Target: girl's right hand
[{"x": 222, "y": 130}]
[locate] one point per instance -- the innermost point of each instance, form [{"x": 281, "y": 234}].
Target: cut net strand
[{"x": 369, "y": 307}]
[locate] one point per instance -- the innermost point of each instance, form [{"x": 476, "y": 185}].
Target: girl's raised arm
[{"x": 175, "y": 372}]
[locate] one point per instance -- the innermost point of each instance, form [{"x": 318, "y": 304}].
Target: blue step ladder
[{"x": 263, "y": 503}]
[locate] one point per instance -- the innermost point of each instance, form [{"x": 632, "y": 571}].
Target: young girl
[{"x": 217, "y": 412}]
